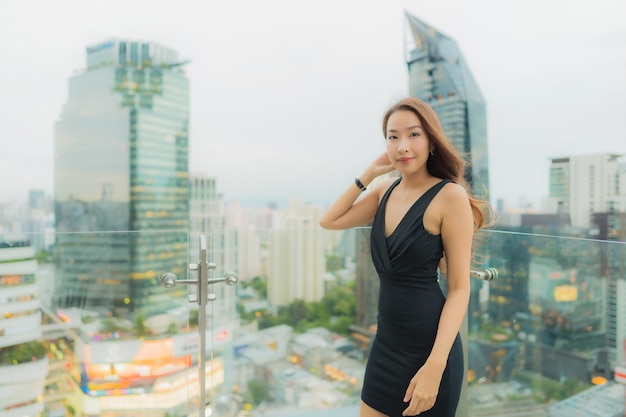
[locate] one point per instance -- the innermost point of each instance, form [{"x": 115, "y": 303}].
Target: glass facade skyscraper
[
  {"x": 439, "y": 75},
  {"x": 121, "y": 179}
]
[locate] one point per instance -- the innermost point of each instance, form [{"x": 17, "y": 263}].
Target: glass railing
[
  {"x": 97, "y": 333},
  {"x": 546, "y": 337}
]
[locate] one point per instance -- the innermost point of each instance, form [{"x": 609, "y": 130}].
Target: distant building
[
  {"x": 121, "y": 183},
  {"x": 208, "y": 217},
  {"x": 251, "y": 238},
  {"x": 587, "y": 184},
  {"x": 39, "y": 222},
  {"x": 549, "y": 221},
  {"x": 304, "y": 371},
  {"x": 21, "y": 377},
  {"x": 612, "y": 228},
  {"x": 508, "y": 294},
  {"x": 367, "y": 280},
  {"x": 297, "y": 263},
  {"x": 439, "y": 75},
  {"x": 33, "y": 217},
  {"x": 592, "y": 190},
  {"x": 36, "y": 199},
  {"x": 367, "y": 288}
]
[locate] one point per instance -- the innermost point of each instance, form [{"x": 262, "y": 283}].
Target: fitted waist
[
  {"x": 408, "y": 280},
  {"x": 407, "y": 299}
]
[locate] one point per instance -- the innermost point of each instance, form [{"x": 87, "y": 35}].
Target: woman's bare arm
[
  {"x": 457, "y": 231},
  {"x": 351, "y": 211}
]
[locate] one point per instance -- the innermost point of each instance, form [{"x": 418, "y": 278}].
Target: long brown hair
[{"x": 447, "y": 162}]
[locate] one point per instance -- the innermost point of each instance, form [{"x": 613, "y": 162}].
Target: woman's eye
[
  {"x": 392, "y": 137},
  {"x": 415, "y": 134}
]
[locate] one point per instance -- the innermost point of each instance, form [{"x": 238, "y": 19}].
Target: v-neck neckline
[{"x": 404, "y": 216}]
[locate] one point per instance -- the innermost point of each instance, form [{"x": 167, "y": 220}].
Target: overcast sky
[{"x": 287, "y": 96}]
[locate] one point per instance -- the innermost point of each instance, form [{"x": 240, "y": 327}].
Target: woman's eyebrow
[{"x": 408, "y": 128}]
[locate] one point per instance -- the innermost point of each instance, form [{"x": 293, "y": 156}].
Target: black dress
[{"x": 409, "y": 305}]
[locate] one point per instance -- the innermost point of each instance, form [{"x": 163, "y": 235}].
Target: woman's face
[{"x": 408, "y": 144}]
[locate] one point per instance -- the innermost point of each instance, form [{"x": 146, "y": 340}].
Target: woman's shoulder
[
  {"x": 452, "y": 192},
  {"x": 451, "y": 186}
]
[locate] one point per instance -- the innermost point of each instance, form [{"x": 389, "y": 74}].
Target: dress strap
[
  {"x": 383, "y": 201},
  {"x": 428, "y": 196}
]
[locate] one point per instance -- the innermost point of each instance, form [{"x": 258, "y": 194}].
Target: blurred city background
[{"x": 131, "y": 129}]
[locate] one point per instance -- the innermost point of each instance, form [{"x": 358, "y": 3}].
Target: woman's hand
[
  {"x": 380, "y": 166},
  {"x": 423, "y": 389}
]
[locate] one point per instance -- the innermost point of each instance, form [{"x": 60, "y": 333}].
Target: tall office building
[
  {"x": 297, "y": 263},
  {"x": 249, "y": 242},
  {"x": 592, "y": 190},
  {"x": 612, "y": 228},
  {"x": 439, "y": 75},
  {"x": 586, "y": 184},
  {"x": 121, "y": 184}
]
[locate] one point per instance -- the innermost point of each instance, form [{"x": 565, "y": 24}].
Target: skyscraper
[
  {"x": 612, "y": 228},
  {"x": 439, "y": 75},
  {"x": 592, "y": 190},
  {"x": 297, "y": 263},
  {"x": 586, "y": 184},
  {"x": 121, "y": 179}
]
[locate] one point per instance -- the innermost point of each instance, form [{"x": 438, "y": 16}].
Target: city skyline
[{"x": 321, "y": 82}]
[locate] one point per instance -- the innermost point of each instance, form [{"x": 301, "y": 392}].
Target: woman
[{"x": 416, "y": 362}]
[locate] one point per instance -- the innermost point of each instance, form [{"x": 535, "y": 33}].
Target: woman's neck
[{"x": 417, "y": 181}]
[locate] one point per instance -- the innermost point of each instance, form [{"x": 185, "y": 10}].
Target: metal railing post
[{"x": 201, "y": 297}]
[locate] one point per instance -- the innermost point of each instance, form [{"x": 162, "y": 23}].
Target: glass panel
[
  {"x": 87, "y": 329},
  {"x": 295, "y": 348},
  {"x": 540, "y": 336},
  {"x": 548, "y": 334}
]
